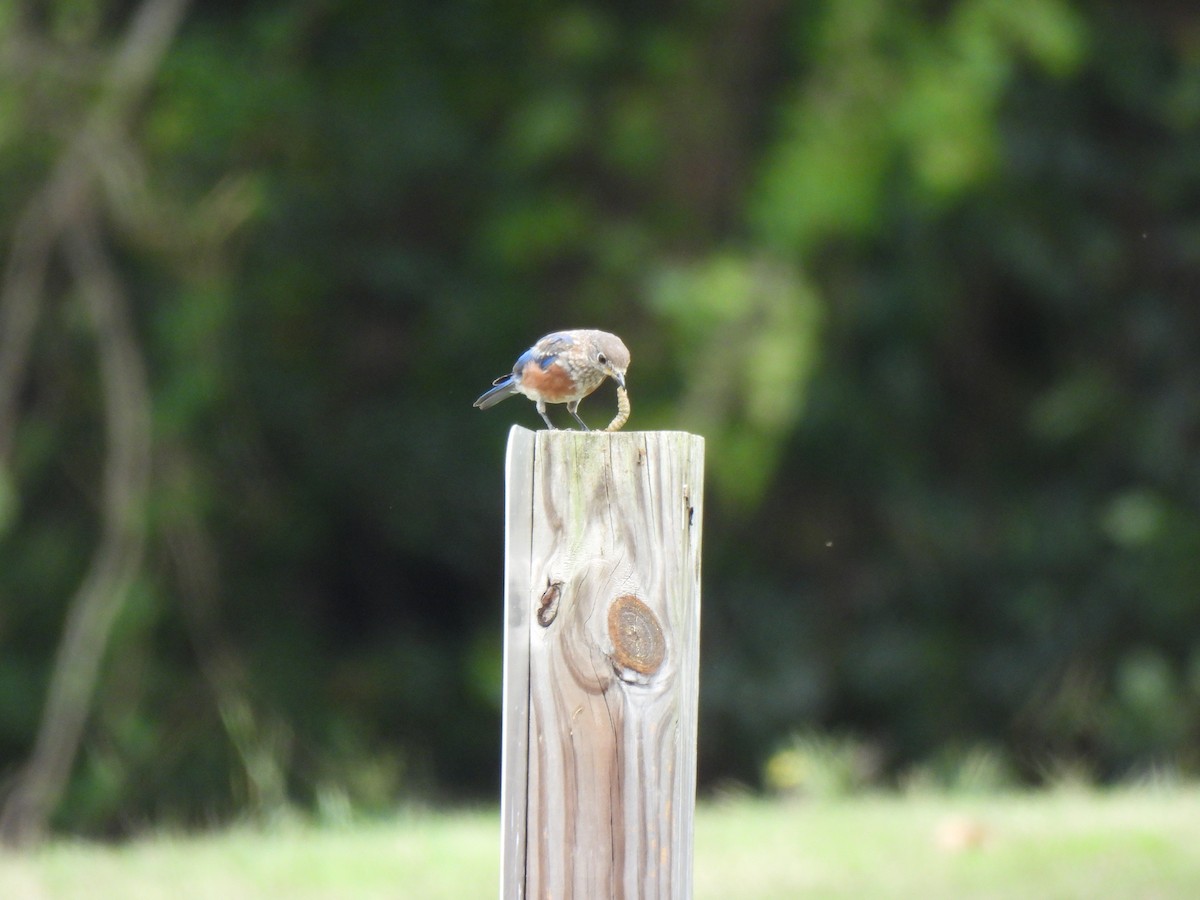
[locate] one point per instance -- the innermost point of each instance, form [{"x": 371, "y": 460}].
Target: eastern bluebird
[{"x": 563, "y": 367}]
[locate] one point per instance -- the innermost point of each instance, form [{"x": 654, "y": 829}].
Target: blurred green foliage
[{"x": 920, "y": 273}]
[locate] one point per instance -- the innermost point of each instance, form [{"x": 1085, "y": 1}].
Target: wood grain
[
  {"x": 518, "y": 536},
  {"x": 613, "y": 662}
]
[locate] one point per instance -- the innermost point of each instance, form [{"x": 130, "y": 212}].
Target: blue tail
[{"x": 503, "y": 389}]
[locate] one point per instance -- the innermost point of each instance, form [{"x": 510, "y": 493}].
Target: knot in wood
[
  {"x": 548, "y": 603},
  {"x": 637, "y": 638}
]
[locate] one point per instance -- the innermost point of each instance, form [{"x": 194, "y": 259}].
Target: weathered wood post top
[{"x": 601, "y": 663}]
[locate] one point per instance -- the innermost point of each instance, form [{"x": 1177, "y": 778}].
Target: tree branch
[
  {"x": 52, "y": 208},
  {"x": 118, "y": 556},
  {"x": 63, "y": 212}
]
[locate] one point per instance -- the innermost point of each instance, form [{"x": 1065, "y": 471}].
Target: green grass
[{"x": 1123, "y": 844}]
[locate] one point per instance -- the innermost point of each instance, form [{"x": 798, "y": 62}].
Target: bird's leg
[
  {"x": 571, "y": 408},
  {"x": 541, "y": 408}
]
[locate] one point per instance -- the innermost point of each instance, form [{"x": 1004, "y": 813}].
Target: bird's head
[{"x": 611, "y": 356}]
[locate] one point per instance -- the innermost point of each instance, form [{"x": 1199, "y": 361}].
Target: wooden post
[{"x": 601, "y": 664}]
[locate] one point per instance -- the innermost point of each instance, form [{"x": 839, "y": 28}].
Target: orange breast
[{"x": 551, "y": 384}]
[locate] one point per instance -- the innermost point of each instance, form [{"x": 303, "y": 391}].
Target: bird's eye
[{"x": 602, "y": 359}]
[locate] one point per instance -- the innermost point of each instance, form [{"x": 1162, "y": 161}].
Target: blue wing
[{"x": 545, "y": 351}]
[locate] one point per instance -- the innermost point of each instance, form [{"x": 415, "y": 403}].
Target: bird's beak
[{"x": 619, "y": 377}]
